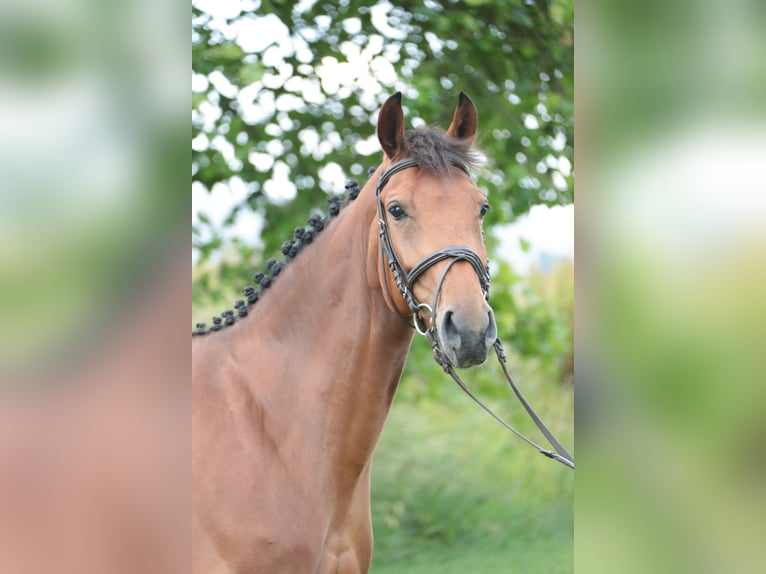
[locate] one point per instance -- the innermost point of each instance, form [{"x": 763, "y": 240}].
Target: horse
[{"x": 291, "y": 392}]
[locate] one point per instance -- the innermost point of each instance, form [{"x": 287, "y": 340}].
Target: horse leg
[{"x": 348, "y": 548}]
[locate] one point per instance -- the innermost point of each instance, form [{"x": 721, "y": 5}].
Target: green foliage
[
  {"x": 535, "y": 315},
  {"x": 514, "y": 59}
]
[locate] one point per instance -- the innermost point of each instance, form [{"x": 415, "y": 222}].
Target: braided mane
[
  {"x": 302, "y": 236},
  {"x": 435, "y": 152}
]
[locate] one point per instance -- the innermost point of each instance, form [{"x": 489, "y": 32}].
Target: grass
[{"x": 455, "y": 492}]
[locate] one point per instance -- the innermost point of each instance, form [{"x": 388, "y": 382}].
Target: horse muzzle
[{"x": 466, "y": 338}]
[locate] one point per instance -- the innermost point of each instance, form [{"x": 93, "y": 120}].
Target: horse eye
[
  {"x": 396, "y": 211},
  {"x": 484, "y": 210}
]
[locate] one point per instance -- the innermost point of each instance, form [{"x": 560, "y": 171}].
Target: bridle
[{"x": 406, "y": 280}]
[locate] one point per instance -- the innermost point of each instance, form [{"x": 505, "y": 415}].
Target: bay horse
[{"x": 290, "y": 396}]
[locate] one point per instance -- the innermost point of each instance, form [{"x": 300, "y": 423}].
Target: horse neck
[{"x": 336, "y": 348}]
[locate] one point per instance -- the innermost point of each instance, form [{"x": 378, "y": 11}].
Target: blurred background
[
  {"x": 94, "y": 287},
  {"x": 91, "y": 121},
  {"x": 284, "y": 106},
  {"x": 671, "y": 440},
  {"x": 671, "y": 429}
]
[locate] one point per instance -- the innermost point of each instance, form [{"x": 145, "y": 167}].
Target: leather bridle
[{"x": 405, "y": 282}]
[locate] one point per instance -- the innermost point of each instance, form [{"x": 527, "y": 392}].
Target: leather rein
[{"x": 404, "y": 283}]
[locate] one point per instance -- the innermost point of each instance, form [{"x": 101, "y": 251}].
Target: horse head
[{"x": 430, "y": 217}]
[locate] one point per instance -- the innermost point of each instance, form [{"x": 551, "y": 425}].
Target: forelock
[{"x": 438, "y": 153}]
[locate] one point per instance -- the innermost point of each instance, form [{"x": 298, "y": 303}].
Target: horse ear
[
  {"x": 465, "y": 121},
  {"x": 391, "y": 125}
]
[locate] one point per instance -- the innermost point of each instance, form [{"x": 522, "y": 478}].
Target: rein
[{"x": 404, "y": 283}]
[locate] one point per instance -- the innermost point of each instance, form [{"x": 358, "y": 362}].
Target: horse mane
[{"x": 436, "y": 153}]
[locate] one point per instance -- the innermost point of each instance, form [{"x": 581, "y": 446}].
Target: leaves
[{"x": 339, "y": 61}]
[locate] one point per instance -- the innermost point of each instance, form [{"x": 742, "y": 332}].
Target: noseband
[{"x": 406, "y": 280}]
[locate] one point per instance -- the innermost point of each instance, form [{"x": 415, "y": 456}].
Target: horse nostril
[
  {"x": 491, "y": 332},
  {"x": 449, "y": 329}
]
